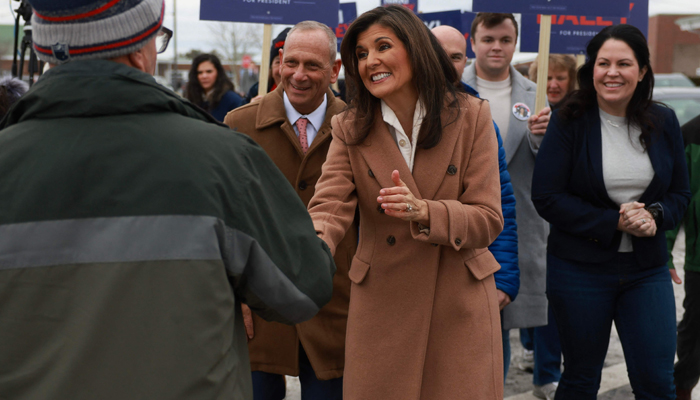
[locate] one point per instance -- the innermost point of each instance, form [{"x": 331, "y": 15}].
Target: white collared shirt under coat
[
  {"x": 407, "y": 146},
  {"x": 316, "y": 118}
]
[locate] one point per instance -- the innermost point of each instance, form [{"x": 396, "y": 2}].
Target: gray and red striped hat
[{"x": 93, "y": 29}]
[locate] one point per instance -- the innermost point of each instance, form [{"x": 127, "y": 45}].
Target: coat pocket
[
  {"x": 482, "y": 265},
  {"x": 358, "y": 270}
]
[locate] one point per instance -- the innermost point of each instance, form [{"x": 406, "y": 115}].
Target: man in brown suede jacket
[{"x": 293, "y": 125}]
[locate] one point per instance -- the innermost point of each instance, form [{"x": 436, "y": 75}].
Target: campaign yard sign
[
  {"x": 571, "y": 33},
  {"x": 285, "y": 12},
  {"x": 456, "y": 19},
  {"x": 410, "y": 4},
  {"x": 346, "y": 14},
  {"x": 608, "y": 8}
]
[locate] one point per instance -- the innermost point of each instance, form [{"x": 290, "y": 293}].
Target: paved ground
[{"x": 614, "y": 385}]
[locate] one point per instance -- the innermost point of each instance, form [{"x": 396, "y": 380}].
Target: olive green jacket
[{"x": 132, "y": 226}]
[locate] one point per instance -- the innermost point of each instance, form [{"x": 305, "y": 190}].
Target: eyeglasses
[{"x": 163, "y": 38}]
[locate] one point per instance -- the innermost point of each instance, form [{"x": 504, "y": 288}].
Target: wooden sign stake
[
  {"x": 543, "y": 62},
  {"x": 265, "y": 63}
]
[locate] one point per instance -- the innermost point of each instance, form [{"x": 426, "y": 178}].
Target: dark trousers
[
  {"x": 687, "y": 370},
  {"x": 587, "y": 298},
  {"x": 268, "y": 386},
  {"x": 544, "y": 341}
]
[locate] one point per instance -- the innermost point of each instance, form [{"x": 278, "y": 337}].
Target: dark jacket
[
  {"x": 229, "y": 101},
  {"x": 568, "y": 189},
  {"x": 691, "y": 139},
  {"x": 132, "y": 226},
  {"x": 505, "y": 247}
]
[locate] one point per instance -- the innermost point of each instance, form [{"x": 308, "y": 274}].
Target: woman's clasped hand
[{"x": 636, "y": 220}]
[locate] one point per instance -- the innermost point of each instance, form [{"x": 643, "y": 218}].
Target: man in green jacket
[
  {"x": 687, "y": 369},
  {"x": 132, "y": 225}
]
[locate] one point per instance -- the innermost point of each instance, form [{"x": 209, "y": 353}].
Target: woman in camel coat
[{"x": 420, "y": 161}]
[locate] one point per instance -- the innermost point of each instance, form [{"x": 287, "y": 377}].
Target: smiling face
[
  {"x": 557, "y": 84},
  {"x": 494, "y": 48},
  {"x": 615, "y": 76},
  {"x": 384, "y": 65},
  {"x": 306, "y": 69},
  {"x": 206, "y": 75}
]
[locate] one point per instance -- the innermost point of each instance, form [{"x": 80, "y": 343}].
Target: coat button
[
  {"x": 371, "y": 173},
  {"x": 303, "y": 185},
  {"x": 451, "y": 170},
  {"x": 458, "y": 241},
  {"x": 391, "y": 240},
  {"x": 380, "y": 209}
]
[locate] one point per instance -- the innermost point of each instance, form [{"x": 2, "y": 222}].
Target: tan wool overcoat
[
  {"x": 275, "y": 346},
  {"x": 423, "y": 320}
]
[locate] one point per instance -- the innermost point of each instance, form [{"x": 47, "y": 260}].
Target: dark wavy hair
[
  {"x": 194, "y": 91},
  {"x": 637, "y": 112},
  {"x": 433, "y": 72}
]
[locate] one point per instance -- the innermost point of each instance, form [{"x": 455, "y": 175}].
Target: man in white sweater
[{"x": 512, "y": 98}]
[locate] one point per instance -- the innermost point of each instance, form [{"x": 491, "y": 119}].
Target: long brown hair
[
  {"x": 194, "y": 91},
  {"x": 433, "y": 72}
]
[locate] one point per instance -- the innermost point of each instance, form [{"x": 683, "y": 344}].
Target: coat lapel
[
  {"x": 333, "y": 107},
  {"x": 595, "y": 148},
  {"x": 383, "y": 156},
  {"x": 430, "y": 166},
  {"x": 272, "y": 112},
  {"x": 660, "y": 162}
]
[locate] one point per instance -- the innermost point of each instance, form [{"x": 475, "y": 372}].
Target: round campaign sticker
[{"x": 521, "y": 111}]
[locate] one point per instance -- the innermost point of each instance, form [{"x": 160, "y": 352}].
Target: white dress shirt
[
  {"x": 406, "y": 147},
  {"x": 316, "y": 118}
]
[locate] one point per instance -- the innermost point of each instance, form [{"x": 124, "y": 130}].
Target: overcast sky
[{"x": 193, "y": 33}]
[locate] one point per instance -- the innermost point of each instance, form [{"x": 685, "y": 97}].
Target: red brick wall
[{"x": 664, "y": 35}]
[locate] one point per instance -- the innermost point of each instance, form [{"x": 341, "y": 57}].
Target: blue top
[
  {"x": 229, "y": 101},
  {"x": 569, "y": 192},
  {"x": 505, "y": 247}
]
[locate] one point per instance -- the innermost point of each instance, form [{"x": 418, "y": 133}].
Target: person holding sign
[
  {"x": 505, "y": 247},
  {"x": 512, "y": 98},
  {"x": 611, "y": 177},
  {"x": 293, "y": 125},
  {"x": 275, "y": 77},
  {"x": 420, "y": 160},
  {"x": 561, "y": 77}
]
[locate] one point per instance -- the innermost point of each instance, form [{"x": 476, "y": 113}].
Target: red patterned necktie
[{"x": 303, "y": 139}]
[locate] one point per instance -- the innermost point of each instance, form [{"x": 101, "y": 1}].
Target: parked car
[
  {"x": 675, "y": 79},
  {"x": 684, "y": 101}
]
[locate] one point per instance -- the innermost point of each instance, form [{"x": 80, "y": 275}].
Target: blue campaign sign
[
  {"x": 285, "y": 12},
  {"x": 411, "y": 4},
  {"x": 571, "y": 33},
  {"x": 467, "y": 19},
  {"x": 455, "y": 19},
  {"x": 608, "y": 8},
  {"x": 346, "y": 14}
]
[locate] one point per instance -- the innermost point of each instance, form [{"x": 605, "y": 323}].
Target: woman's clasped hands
[
  {"x": 636, "y": 220},
  {"x": 399, "y": 202}
]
